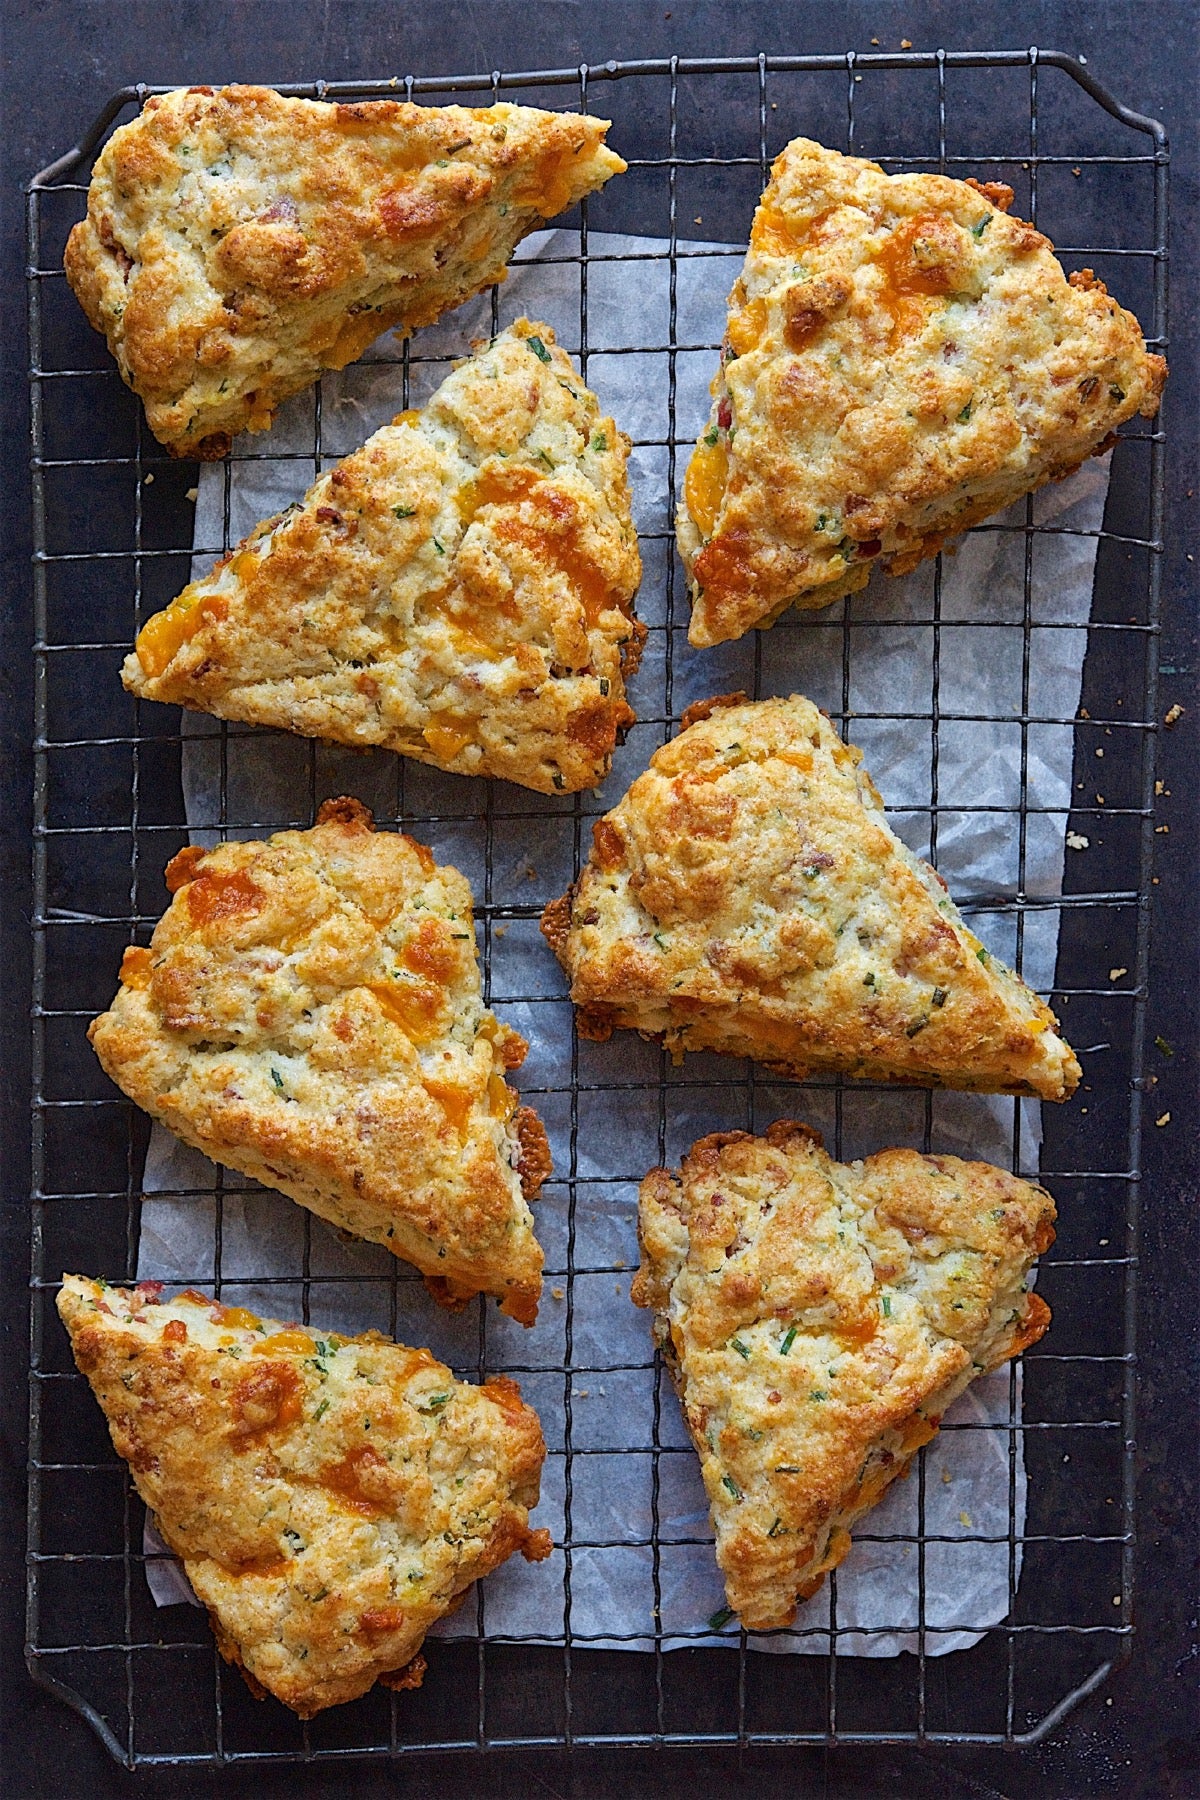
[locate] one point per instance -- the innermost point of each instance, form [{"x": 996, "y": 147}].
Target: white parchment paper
[{"x": 973, "y": 1491}]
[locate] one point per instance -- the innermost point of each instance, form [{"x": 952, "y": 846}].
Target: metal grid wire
[{"x": 108, "y": 814}]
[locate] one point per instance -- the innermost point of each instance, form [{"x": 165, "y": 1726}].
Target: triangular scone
[
  {"x": 748, "y": 896},
  {"x": 237, "y": 241},
  {"x": 458, "y": 590},
  {"x": 309, "y": 1012},
  {"x": 330, "y": 1497},
  {"x": 818, "y": 1318},
  {"x": 901, "y": 361}
]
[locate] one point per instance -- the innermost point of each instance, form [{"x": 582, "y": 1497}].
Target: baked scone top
[
  {"x": 748, "y": 895},
  {"x": 902, "y": 359},
  {"x": 309, "y": 1012},
  {"x": 330, "y": 1496},
  {"x": 818, "y": 1318},
  {"x": 458, "y": 590},
  {"x": 238, "y": 242}
]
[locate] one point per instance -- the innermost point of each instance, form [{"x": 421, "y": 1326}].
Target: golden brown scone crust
[
  {"x": 459, "y": 590},
  {"x": 237, "y": 242},
  {"x": 330, "y": 1497},
  {"x": 748, "y": 895},
  {"x": 901, "y": 361},
  {"x": 818, "y": 1319},
  {"x": 309, "y": 1013}
]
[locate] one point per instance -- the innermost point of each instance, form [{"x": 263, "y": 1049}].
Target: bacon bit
[
  {"x": 380, "y": 1619},
  {"x": 284, "y": 208},
  {"x": 725, "y": 413}
]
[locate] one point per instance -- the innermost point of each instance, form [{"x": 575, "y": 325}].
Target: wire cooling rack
[{"x": 113, "y": 542}]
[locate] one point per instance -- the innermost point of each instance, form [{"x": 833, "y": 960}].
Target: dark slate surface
[{"x": 1137, "y": 1736}]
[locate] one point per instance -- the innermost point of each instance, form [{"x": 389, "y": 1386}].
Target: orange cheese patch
[{"x": 704, "y": 484}]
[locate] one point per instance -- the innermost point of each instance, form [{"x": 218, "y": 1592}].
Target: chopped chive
[
  {"x": 982, "y": 954},
  {"x": 727, "y": 1481},
  {"x": 559, "y": 779},
  {"x": 977, "y": 231},
  {"x": 965, "y": 414},
  {"x": 277, "y": 1078},
  {"x": 787, "y": 1469},
  {"x": 712, "y": 436},
  {"x": 599, "y": 441},
  {"x": 539, "y": 349},
  {"x": 404, "y": 512},
  {"x": 818, "y": 1394},
  {"x": 886, "y": 1305},
  {"x": 778, "y": 1529},
  {"x": 742, "y": 1349},
  {"x": 1160, "y": 1043},
  {"x": 789, "y": 1340},
  {"x": 917, "y": 1026},
  {"x": 439, "y": 546},
  {"x": 720, "y": 1618},
  {"x": 319, "y": 1595},
  {"x": 661, "y": 941},
  {"x": 604, "y": 686},
  {"x": 940, "y": 996}
]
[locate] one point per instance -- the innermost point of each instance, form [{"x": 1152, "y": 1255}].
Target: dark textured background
[{"x": 60, "y": 62}]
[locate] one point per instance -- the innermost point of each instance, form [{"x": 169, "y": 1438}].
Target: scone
[
  {"x": 308, "y": 1012},
  {"x": 748, "y": 895},
  {"x": 237, "y": 242},
  {"x": 458, "y": 590},
  {"x": 818, "y": 1318},
  {"x": 330, "y": 1497},
  {"x": 901, "y": 360}
]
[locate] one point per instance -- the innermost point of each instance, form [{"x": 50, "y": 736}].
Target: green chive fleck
[
  {"x": 742, "y": 1349},
  {"x": 886, "y": 1305},
  {"x": 720, "y": 1618},
  {"x": 977, "y": 231},
  {"x": 712, "y": 436},
  {"x": 321, "y": 1411},
  {"x": 404, "y": 512},
  {"x": 818, "y": 1394},
  {"x": 982, "y": 954},
  {"x": 604, "y": 685},
  {"x": 789, "y": 1340},
  {"x": 539, "y": 349},
  {"x": 277, "y": 1078},
  {"x": 727, "y": 1481},
  {"x": 439, "y": 546},
  {"x": 600, "y": 441},
  {"x": 965, "y": 414},
  {"x": 1160, "y": 1043},
  {"x": 940, "y": 996}
]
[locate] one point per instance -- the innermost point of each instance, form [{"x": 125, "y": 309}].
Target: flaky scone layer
[
  {"x": 238, "y": 242},
  {"x": 748, "y": 896},
  {"x": 458, "y": 590},
  {"x": 901, "y": 361},
  {"x": 330, "y": 1496},
  {"x": 818, "y": 1319},
  {"x": 309, "y": 1012}
]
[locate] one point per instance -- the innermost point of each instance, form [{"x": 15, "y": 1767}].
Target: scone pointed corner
[
  {"x": 459, "y": 590},
  {"x": 330, "y": 1497},
  {"x": 902, "y": 360},
  {"x": 748, "y": 896},
  {"x": 238, "y": 241},
  {"x": 309, "y": 1013},
  {"x": 818, "y": 1319}
]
